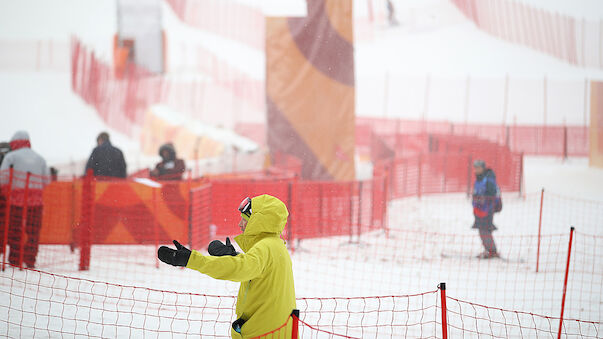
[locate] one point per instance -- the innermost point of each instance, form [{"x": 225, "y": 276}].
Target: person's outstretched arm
[{"x": 242, "y": 267}]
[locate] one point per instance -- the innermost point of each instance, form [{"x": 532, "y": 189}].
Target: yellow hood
[{"x": 268, "y": 218}]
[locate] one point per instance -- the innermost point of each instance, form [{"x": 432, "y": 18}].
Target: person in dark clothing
[
  {"x": 391, "y": 14},
  {"x": 486, "y": 197},
  {"x": 4, "y": 148},
  {"x": 170, "y": 167},
  {"x": 106, "y": 160}
]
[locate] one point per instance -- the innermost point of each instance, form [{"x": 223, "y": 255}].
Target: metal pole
[
  {"x": 544, "y": 100},
  {"x": 426, "y": 98},
  {"x": 359, "y": 221},
  {"x": 467, "y": 93},
  {"x": 569, "y": 254},
  {"x": 539, "y": 229},
  {"x": 385, "y": 93},
  {"x": 295, "y": 329},
  {"x": 7, "y": 215},
  {"x": 585, "y": 102},
  {"x": 444, "y": 311},
  {"x": 24, "y": 221},
  {"x": 506, "y": 99}
]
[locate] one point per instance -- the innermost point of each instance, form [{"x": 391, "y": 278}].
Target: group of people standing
[
  {"x": 107, "y": 161},
  {"x": 22, "y": 191}
]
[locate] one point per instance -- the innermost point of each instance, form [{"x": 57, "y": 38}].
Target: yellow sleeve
[{"x": 242, "y": 267}]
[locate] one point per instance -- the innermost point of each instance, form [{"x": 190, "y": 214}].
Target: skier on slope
[
  {"x": 486, "y": 201},
  {"x": 267, "y": 294}
]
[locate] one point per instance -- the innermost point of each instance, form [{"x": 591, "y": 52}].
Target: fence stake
[
  {"x": 7, "y": 216},
  {"x": 443, "y": 300},
  {"x": 155, "y": 225},
  {"x": 24, "y": 220},
  {"x": 295, "y": 329},
  {"x": 291, "y": 214},
  {"x": 351, "y": 209},
  {"x": 86, "y": 220},
  {"x": 564, "y": 141},
  {"x": 539, "y": 228},
  {"x": 189, "y": 206},
  {"x": 359, "y": 224},
  {"x": 419, "y": 176},
  {"x": 569, "y": 254},
  {"x": 521, "y": 175},
  {"x": 469, "y": 166}
]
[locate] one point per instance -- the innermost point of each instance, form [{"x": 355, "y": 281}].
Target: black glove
[
  {"x": 218, "y": 249},
  {"x": 177, "y": 257}
]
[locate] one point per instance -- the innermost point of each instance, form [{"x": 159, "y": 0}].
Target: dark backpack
[{"x": 498, "y": 201}]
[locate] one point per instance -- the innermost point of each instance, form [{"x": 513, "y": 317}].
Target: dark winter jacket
[
  {"x": 485, "y": 193},
  {"x": 107, "y": 161},
  {"x": 170, "y": 168}
]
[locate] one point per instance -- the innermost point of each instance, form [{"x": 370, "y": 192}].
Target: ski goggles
[{"x": 245, "y": 208}]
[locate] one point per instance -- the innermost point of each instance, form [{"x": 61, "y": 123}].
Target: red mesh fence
[
  {"x": 228, "y": 19},
  {"x": 34, "y": 55},
  {"x": 475, "y": 320},
  {"x": 530, "y": 140},
  {"x": 36, "y": 303},
  {"x": 447, "y": 172},
  {"x": 574, "y": 40},
  {"x": 346, "y": 223},
  {"x": 122, "y": 100}
]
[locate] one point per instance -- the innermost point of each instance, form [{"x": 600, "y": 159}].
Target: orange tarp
[{"x": 125, "y": 212}]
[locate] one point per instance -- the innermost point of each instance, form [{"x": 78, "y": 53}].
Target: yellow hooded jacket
[{"x": 267, "y": 295}]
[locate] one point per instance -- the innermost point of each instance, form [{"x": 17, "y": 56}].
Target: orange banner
[
  {"x": 310, "y": 91},
  {"x": 125, "y": 212}
]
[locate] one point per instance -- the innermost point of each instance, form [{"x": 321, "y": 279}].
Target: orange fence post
[
  {"x": 7, "y": 216},
  {"x": 24, "y": 220},
  {"x": 87, "y": 219},
  {"x": 443, "y": 301},
  {"x": 569, "y": 254},
  {"x": 295, "y": 327},
  {"x": 539, "y": 228}
]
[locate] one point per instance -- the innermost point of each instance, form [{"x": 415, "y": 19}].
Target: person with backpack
[{"x": 486, "y": 201}]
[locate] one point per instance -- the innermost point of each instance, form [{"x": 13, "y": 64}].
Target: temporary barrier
[
  {"x": 45, "y": 304},
  {"x": 574, "y": 40},
  {"x": 551, "y": 140}
]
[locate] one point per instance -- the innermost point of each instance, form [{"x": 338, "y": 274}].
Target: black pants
[
  {"x": 487, "y": 240},
  {"x": 33, "y": 224}
]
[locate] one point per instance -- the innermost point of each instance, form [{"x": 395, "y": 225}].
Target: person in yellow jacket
[{"x": 267, "y": 293}]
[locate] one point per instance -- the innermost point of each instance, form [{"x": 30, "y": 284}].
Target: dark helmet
[{"x": 169, "y": 147}]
